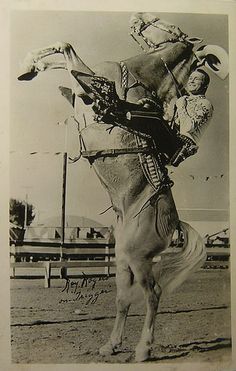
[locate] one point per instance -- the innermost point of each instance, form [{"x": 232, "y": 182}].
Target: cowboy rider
[{"x": 193, "y": 112}]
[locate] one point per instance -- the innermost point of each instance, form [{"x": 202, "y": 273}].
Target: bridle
[{"x": 175, "y": 38}]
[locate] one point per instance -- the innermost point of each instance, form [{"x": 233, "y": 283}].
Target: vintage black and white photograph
[{"x": 119, "y": 197}]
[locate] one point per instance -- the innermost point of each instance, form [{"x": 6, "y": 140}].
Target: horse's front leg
[
  {"x": 31, "y": 70},
  {"x": 33, "y": 63},
  {"x": 74, "y": 62}
]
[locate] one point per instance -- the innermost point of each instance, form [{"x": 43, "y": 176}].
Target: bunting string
[
  {"x": 172, "y": 173},
  {"x": 72, "y": 118},
  {"x": 195, "y": 177},
  {"x": 37, "y": 153}
]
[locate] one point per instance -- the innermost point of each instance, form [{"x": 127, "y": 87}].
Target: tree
[{"x": 17, "y": 212}]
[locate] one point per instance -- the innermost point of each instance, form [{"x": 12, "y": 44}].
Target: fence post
[
  {"x": 13, "y": 259},
  {"x": 47, "y": 281},
  {"x": 107, "y": 260}
]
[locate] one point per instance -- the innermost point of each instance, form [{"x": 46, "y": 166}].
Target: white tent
[{"x": 75, "y": 227}]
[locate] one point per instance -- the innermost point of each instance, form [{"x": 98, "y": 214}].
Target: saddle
[{"x": 109, "y": 108}]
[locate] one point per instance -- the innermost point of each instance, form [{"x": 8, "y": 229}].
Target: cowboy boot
[{"x": 188, "y": 149}]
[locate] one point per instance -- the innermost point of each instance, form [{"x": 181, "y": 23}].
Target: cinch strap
[{"x": 115, "y": 152}]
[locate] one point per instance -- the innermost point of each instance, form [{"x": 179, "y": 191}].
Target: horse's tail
[{"x": 175, "y": 267}]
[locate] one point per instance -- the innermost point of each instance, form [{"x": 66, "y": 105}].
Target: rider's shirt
[{"x": 194, "y": 118}]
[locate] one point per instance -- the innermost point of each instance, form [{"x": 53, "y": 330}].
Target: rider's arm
[
  {"x": 183, "y": 117},
  {"x": 193, "y": 118}
]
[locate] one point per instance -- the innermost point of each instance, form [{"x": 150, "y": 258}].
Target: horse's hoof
[
  {"x": 107, "y": 349},
  {"x": 142, "y": 354}
]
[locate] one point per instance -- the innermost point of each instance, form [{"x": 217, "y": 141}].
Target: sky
[{"x": 37, "y": 107}]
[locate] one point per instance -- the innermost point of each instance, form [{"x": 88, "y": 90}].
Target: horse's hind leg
[
  {"x": 143, "y": 274},
  {"x": 124, "y": 282}
]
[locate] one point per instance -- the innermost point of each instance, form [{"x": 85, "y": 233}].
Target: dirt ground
[{"x": 68, "y": 323}]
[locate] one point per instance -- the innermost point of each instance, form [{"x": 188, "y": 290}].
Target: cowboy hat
[{"x": 214, "y": 58}]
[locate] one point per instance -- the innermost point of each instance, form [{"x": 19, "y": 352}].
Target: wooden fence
[
  {"x": 217, "y": 257},
  {"x": 89, "y": 257}
]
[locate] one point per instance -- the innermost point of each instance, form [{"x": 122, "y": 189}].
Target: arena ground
[{"x": 68, "y": 322}]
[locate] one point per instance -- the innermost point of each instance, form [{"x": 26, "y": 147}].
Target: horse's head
[
  {"x": 156, "y": 32},
  {"x": 159, "y": 35},
  {"x": 170, "y": 54}
]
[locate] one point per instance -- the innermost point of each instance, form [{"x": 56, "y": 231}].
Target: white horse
[{"x": 131, "y": 172}]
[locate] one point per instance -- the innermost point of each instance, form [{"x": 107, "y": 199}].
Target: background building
[{"x": 76, "y": 228}]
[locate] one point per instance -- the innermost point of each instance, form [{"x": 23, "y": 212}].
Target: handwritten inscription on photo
[{"x": 84, "y": 290}]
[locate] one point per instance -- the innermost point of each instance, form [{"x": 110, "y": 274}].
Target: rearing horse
[{"x": 133, "y": 175}]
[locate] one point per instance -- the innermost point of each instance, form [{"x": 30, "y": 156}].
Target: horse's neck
[{"x": 151, "y": 71}]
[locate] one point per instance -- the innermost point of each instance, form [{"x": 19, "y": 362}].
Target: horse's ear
[
  {"x": 215, "y": 58},
  {"x": 68, "y": 94},
  {"x": 194, "y": 40}
]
